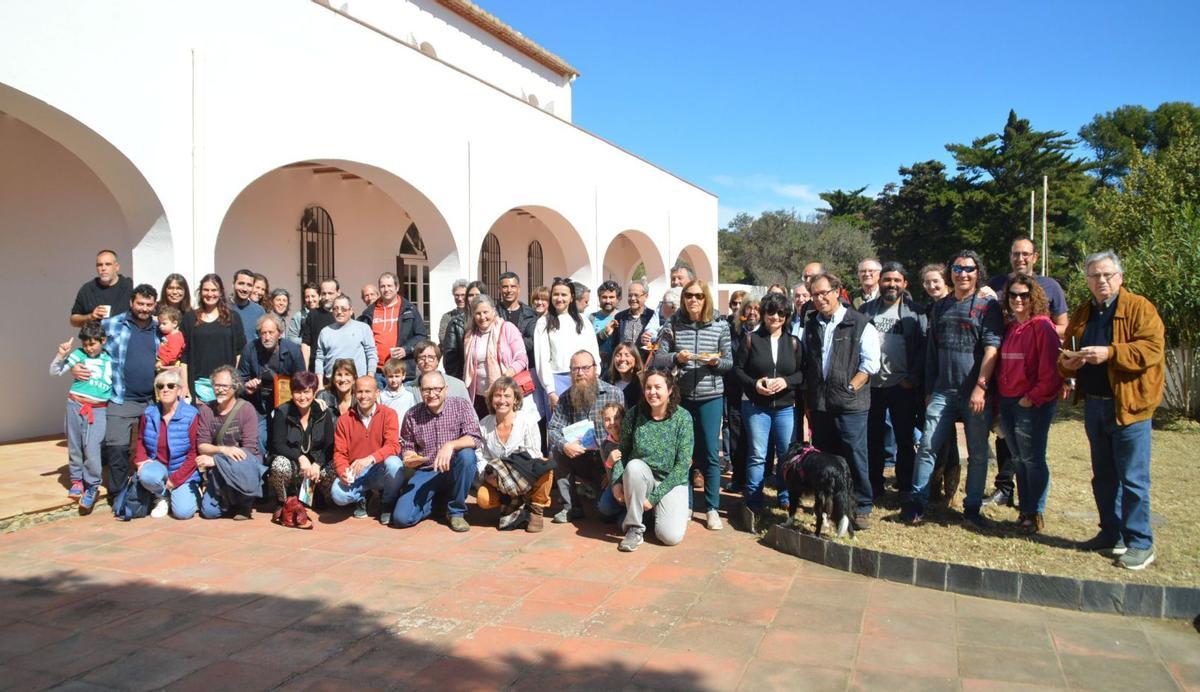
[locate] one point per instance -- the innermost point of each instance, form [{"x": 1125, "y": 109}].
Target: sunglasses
[
  {"x": 165, "y": 385},
  {"x": 694, "y": 296},
  {"x": 960, "y": 269},
  {"x": 1018, "y": 296}
]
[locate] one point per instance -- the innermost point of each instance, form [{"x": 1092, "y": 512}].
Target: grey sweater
[{"x": 352, "y": 340}]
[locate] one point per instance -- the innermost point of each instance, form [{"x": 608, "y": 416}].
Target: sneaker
[
  {"x": 631, "y": 541},
  {"x": 566, "y": 516},
  {"x": 713, "y": 520},
  {"x": 76, "y": 490},
  {"x": 1104, "y": 545},
  {"x": 1136, "y": 558},
  {"x": 385, "y": 517},
  {"x": 862, "y": 522},
  {"x": 977, "y": 520},
  {"x": 458, "y": 524},
  {"x": 999, "y": 497},
  {"x": 87, "y": 501},
  {"x": 160, "y": 508},
  {"x": 360, "y": 509}
]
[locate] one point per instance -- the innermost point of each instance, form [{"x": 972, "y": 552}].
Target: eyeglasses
[
  {"x": 1102, "y": 276},
  {"x": 1024, "y": 295},
  {"x": 821, "y": 294},
  {"x": 221, "y": 387},
  {"x": 426, "y": 356},
  {"x": 432, "y": 390},
  {"x": 1022, "y": 254},
  {"x": 165, "y": 385},
  {"x": 693, "y": 296},
  {"x": 962, "y": 269},
  {"x": 582, "y": 368},
  {"x": 340, "y": 308}
]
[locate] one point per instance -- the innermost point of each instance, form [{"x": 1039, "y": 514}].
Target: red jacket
[
  {"x": 353, "y": 441},
  {"x": 1029, "y": 361}
]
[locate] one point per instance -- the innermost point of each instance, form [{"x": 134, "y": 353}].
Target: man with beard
[
  {"x": 229, "y": 455},
  {"x": 243, "y": 304},
  {"x": 604, "y": 321},
  {"x": 896, "y": 387},
  {"x": 511, "y": 309},
  {"x": 318, "y": 319},
  {"x": 584, "y": 400},
  {"x": 396, "y": 325}
]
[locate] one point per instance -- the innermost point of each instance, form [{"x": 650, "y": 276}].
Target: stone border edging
[{"x": 1142, "y": 600}]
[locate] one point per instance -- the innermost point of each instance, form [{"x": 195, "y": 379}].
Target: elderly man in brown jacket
[{"x": 1114, "y": 347}]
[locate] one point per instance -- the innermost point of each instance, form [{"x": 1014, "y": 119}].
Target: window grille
[{"x": 316, "y": 245}]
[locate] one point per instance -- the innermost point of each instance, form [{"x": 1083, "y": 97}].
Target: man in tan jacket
[{"x": 1114, "y": 347}]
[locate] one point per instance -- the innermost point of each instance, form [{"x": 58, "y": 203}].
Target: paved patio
[{"x": 91, "y": 603}]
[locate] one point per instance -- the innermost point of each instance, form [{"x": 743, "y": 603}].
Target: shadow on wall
[{"x": 69, "y": 627}]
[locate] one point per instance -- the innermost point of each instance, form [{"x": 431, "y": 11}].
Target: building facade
[{"x": 303, "y": 139}]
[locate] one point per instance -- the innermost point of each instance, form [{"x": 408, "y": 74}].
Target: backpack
[{"x": 132, "y": 501}]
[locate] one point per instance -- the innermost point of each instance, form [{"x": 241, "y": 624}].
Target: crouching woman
[
  {"x": 165, "y": 456},
  {"x": 657, "y": 440},
  {"x": 301, "y": 444}
]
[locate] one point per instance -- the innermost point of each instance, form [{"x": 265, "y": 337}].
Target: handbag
[
  {"x": 524, "y": 380},
  {"x": 133, "y": 500},
  {"x": 203, "y": 390}
]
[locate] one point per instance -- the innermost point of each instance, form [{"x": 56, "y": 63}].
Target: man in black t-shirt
[
  {"x": 317, "y": 320},
  {"x": 105, "y": 296}
]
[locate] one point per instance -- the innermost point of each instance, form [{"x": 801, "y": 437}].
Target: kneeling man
[
  {"x": 438, "y": 439},
  {"x": 366, "y": 442}
]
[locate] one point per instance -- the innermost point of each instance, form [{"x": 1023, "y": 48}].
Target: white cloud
[{"x": 761, "y": 182}]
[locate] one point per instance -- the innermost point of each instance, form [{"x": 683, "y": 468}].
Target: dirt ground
[{"x": 1070, "y": 517}]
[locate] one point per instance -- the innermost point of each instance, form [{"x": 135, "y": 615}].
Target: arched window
[
  {"x": 412, "y": 266},
  {"x": 490, "y": 264},
  {"x": 533, "y": 268},
  {"x": 316, "y": 245}
]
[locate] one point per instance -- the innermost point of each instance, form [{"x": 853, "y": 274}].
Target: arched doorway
[
  {"x": 534, "y": 268},
  {"x": 627, "y": 251},
  {"x": 536, "y": 243},
  {"x": 382, "y": 224},
  {"x": 695, "y": 257}
]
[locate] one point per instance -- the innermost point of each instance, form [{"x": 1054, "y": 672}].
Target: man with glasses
[
  {"x": 345, "y": 338},
  {"x": 438, "y": 440},
  {"x": 636, "y": 319},
  {"x": 868, "y": 282},
  {"x": 1023, "y": 257},
  {"x": 965, "y": 329},
  {"x": 841, "y": 353},
  {"x": 366, "y": 453},
  {"x": 1116, "y": 343},
  {"x": 318, "y": 319},
  {"x": 575, "y": 457},
  {"x": 131, "y": 340},
  {"x": 427, "y": 356}
]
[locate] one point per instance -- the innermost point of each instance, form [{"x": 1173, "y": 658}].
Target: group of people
[{"x": 237, "y": 400}]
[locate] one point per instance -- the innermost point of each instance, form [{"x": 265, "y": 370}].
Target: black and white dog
[{"x": 827, "y": 477}]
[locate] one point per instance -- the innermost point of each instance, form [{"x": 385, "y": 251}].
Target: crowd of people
[{"x": 212, "y": 407}]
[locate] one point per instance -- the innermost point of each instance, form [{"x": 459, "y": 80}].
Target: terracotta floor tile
[
  {"x": 1006, "y": 665},
  {"x": 147, "y": 669},
  {"x": 751, "y": 585},
  {"x": 573, "y": 591},
  {"x": 897, "y": 681},
  {"x": 548, "y": 616},
  {"x": 1175, "y": 642},
  {"x": 20, "y": 638},
  {"x": 728, "y": 608},
  {"x": 650, "y": 598},
  {"x": 893, "y": 655},
  {"x": 673, "y": 577},
  {"x": 908, "y": 625},
  {"x": 515, "y": 585},
  {"x": 1009, "y": 634},
  {"x": 232, "y": 675},
  {"x": 829, "y": 592},
  {"x": 218, "y": 637},
  {"x": 1109, "y": 672},
  {"x": 893, "y": 596},
  {"x": 1079, "y": 639},
  {"x": 736, "y": 640},
  {"x": 808, "y": 647},
  {"x": 511, "y": 646},
  {"x": 290, "y": 649},
  {"x": 826, "y": 618},
  {"x": 647, "y": 627},
  {"x": 689, "y": 670},
  {"x": 21, "y": 680},
  {"x": 74, "y": 655},
  {"x": 464, "y": 675},
  {"x": 477, "y": 608},
  {"x": 774, "y": 675},
  {"x": 1188, "y": 676}
]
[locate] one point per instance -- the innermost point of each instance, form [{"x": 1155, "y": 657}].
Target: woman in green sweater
[{"x": 656, "y": 438}]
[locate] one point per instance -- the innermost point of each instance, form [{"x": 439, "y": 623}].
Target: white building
[{"x": 207, "y": 136}]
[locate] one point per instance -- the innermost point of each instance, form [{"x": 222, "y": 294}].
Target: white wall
[
  {"x": 56, "y": 216},
  {"x": 467, "y": 47}
]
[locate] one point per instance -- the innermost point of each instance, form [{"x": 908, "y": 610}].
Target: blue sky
[{"x": 767, "y": 104}]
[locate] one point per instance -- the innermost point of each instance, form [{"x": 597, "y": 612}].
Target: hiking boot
[
  {"x": 1109, "y": 547},
  {"x": 458, "y": 524},
  {"x": 76, "y": 490},
  {"x": 360, "y": 509},
  {"x": 536, "y": 520},
  {"x": 160, "y": 508},
  {"x": 1136, "y": 558},
  {"x": 713, "y": 520},
  {"x": 87, "y": 501},
  {"x": 862, "y": 522},
  {"x": 631, "y": 541}
]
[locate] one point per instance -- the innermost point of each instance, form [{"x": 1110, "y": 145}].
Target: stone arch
[
  {"x": 563, "y": 251},
  {"x": 697, "y": 258},
  {"x": 372, "y": 210},
  {"x": 67, "y": 191},
  {"x": 626, "y": 251}
]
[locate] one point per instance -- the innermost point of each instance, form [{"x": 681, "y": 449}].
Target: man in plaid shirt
[
  {"x": 585, "y": 399},
  {"x": 438, "y": 439}
]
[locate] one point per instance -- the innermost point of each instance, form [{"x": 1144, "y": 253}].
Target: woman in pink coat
[{"x": 492, "y": 348}]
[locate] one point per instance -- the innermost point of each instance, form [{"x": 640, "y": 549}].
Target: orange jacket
[{"x": 1135, "y": 360}]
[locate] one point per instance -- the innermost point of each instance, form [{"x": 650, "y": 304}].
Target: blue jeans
[
  {"x": 263, "y": 424},
  {"x": 153, "y": 477},
  {"x": 609, "y": 508},
  {"x": 765, "y": 426},
  {"x": 386, "y": 477},
  {"x": 706, "y": 420},
  {"x": 1120, "y": 473},
  {"x": 943, "y": 410},
  {"x": 1026, "y": 430},
  {"x": 845, "y": 434},
  {"x": 416, "y": 501}
]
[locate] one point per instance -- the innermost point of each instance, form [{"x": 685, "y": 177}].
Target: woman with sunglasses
[
  {"x": 768, "y": 371},
  {"x": 1029, "y": 383},
  {"x": 696, "y": 342},
  {"x": 165, "y": 454}
]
